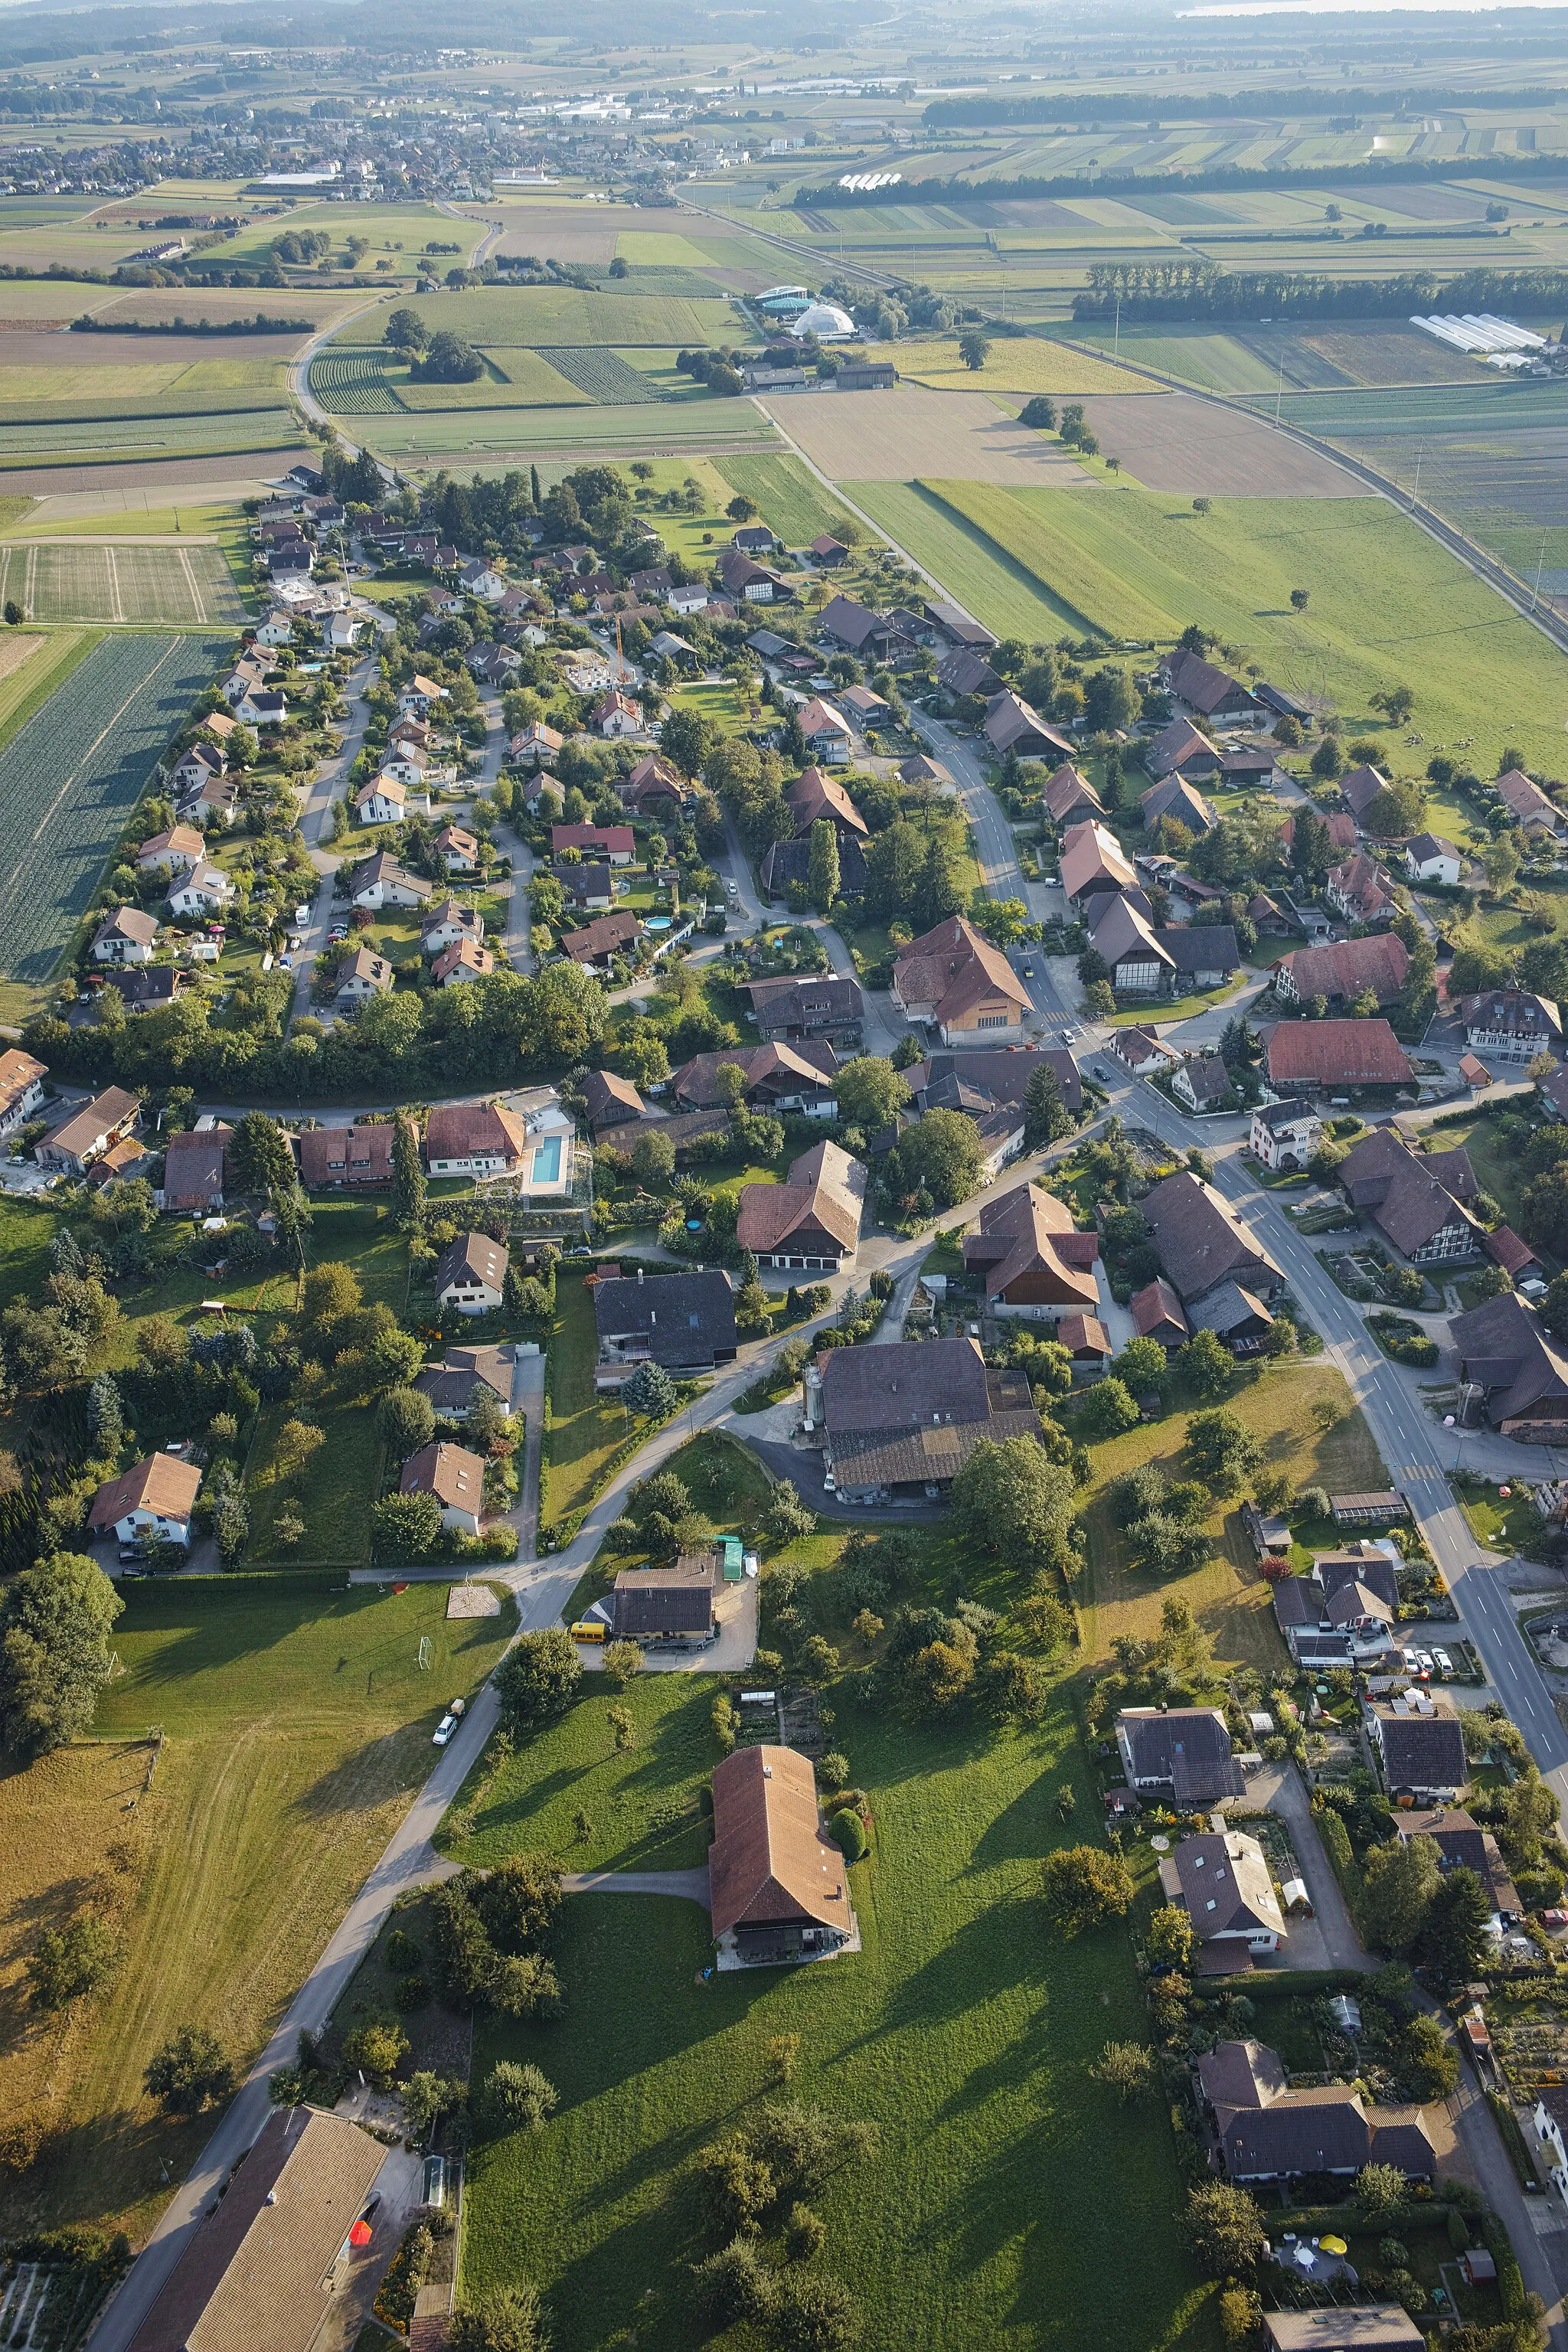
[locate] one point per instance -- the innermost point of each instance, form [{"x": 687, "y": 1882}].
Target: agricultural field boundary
[
  {"x": 70, "y": 778},
  {"x": 122, "y": 583},
  {"x": 1496, "y": 575}
]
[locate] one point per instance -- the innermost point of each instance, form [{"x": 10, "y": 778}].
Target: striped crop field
[
  {"x": 602, "y": 375},
  {"x": 352, "y": 382},
  {"x": 135, "y": 585},
  {"x": 71, "y": 775}
]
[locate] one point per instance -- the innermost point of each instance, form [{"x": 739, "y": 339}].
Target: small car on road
[{"x": 443, "y": 1731}]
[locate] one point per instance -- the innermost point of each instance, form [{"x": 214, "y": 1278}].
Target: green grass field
[
  {"x": 1388, "y": 606},
  {"x": 492, "y": 315},
  {"x": 397, "y": 233},
  {"x": 134, "y": 585},
  {"x": 997, "y": 2209},
  {"x": 653, "y": 429},
  {"x": 988, "y": 582},
  {"x": 297, "y": 1727},
  {"x": 792, "y": 501},
  {"x": 116, "y": 441},
  {"x": 582, "y": 1433}
]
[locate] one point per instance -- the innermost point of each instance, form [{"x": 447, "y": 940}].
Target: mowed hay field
[
  {"x": 1229, "y": 1598},
  {"x": 888, "y": 437},
  {"x": 1387, "y": 605},
  {"x": 70, "y": 777},
  {"x": 487, "y": 315},
  {"x": 792, "y": 501},
  {"x": 76, "y": 580},
  {"x": 1023, "y": 364},
  {"x": 297, "y": 1727},
  {"x": 971, "y": 565},
  {"x": 1195, "y": 449}
]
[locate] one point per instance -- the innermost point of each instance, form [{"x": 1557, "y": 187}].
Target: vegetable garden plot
[{"x": 69, "y": 779}]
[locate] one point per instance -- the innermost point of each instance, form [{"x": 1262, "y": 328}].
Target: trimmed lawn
[
  {"x": 334, "y": 1493},
  {"x": 964, "y": 2029},
  {"x": 794, "y": 502},
  {"x": 582, "y": 1433},
  {"x": 1229, "y": 1598},
  {"x": 297, "y": 1727},
  {"x": 27, "y": 1229},
  {"x": 1504, "y": 1524},
  {"x": 361, "y": 1235},
  {"x": 640, "y": 1803}
]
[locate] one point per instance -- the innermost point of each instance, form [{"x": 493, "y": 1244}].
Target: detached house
[
  {"x": 1527, "y": 803},
  {"x": 384, "y": 800},
  {"x": 957, "y": 984},
  {"x": 125, "y": 937},
  {"x": 1266, "y": 2132},
  {"x": 1362, "y": 891},
  {"x": 470, "y": 1275},
  {"x": 1014, "y": 724},
  {"x": 1222, "y": 1882},
  {"x": 21, "y": 1088},
  {"x": 815, "y": 798},
  {"x": 611, "y": 844},
  {"x": 360, "y": 976},
  {"x": 463, "y": 960},
  {"x": 360, "y": 1154},
  {"x": 615, "y": 714},
  {"x": 1175, "y": 798},
  {"x": 1509, "y": 1024},
  {"x": 828, "y": 737},
  {"x": 155, "y": 1498},
  {"x": 1069, "y": 798},
  {"x": 1180, "y": 751},
  {"x": 1430, "y": 858},
  {"x": 1421, "y": 1753},
  {"x": 779, "y": 1892},
  {"x": 448, "y": 922},
  {"x": 812, "y": 1222},
  {"x": 179, "y": 849},
  {"x": 1201, "y": 1244},
  {"x": 88, "y": 1132},
  {"x": 474, "y": 1140},
  {"x": 457, "y": 1479},
  {"x": 458, "y": 850},
  {"x": 1310, "y": 1057},
  {"x": 205, "y": 890},
  {"x": 381, "y": 881},
  {"x": 684, "y": 1322},
  {"x": 1032, "y": 1260},
  {"x": 778, "y": 1077},
  {"x": 1182, "y": 1752},
  {"x": 1284, "y": 1135}
]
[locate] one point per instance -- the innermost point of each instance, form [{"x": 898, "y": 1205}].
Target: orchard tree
[
  {"x": 1223, "y": 1450},
  {"x": 1125, "y": 2067},
  {"x": 190, "y": 2072},
  {"x": 1225, "y": 2227},
  {"x": 1013, "y": 1498},
  {"x": 1084, "y": 1885},
  {"x": 55, "y": 1621},
  {"x": 537, "y": 1678}
]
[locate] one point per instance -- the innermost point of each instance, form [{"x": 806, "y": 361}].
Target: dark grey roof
[
  {"x": 1371, "y": 1568},
  {"x": 685, "y": 1318},
  {"x": 1241, "y": 2074},
  {"x": 1423, "y": 1752},
  {"x": 1200, "y": 947},
  {"x": 662, "y": 1600},
  {"x": 1302, "y": 2131},
  {"x": 1200, "y": 1241},
  {"x": 1000, "y": 1073},
  {"x": 1188, "y": 1745},
  {"x": 907, "y": 1385},
  {"x": 1227, "y": 1309}
]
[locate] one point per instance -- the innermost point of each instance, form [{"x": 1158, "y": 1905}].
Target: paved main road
[{"x": 1416, "y": 1449}]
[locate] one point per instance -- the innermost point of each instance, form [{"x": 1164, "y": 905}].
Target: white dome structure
[{"x": 826, "y": 321}]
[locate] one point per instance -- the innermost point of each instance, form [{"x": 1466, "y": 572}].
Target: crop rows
[
  {"x": 603, "y": 374},
  {"x": 67, "y": 780},
  {"x": 354, "y": 383}
]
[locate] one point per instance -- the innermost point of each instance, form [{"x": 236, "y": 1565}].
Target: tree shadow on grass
[{"x": 369, "y": 1777}]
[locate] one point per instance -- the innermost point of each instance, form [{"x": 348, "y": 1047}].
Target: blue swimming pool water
[
  {"x": 547, "y": 1161},
  {"x": 656, "y": 923}
]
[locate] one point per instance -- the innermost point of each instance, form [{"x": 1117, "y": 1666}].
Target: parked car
[
  {"x": 1442, "y": 1662},
  {"x": 443, "y": 1731},
  {"x": 1554, "y": 1919}
]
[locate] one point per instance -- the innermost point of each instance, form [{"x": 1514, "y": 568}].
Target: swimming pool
[{"x": 547, "y": 1161}]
